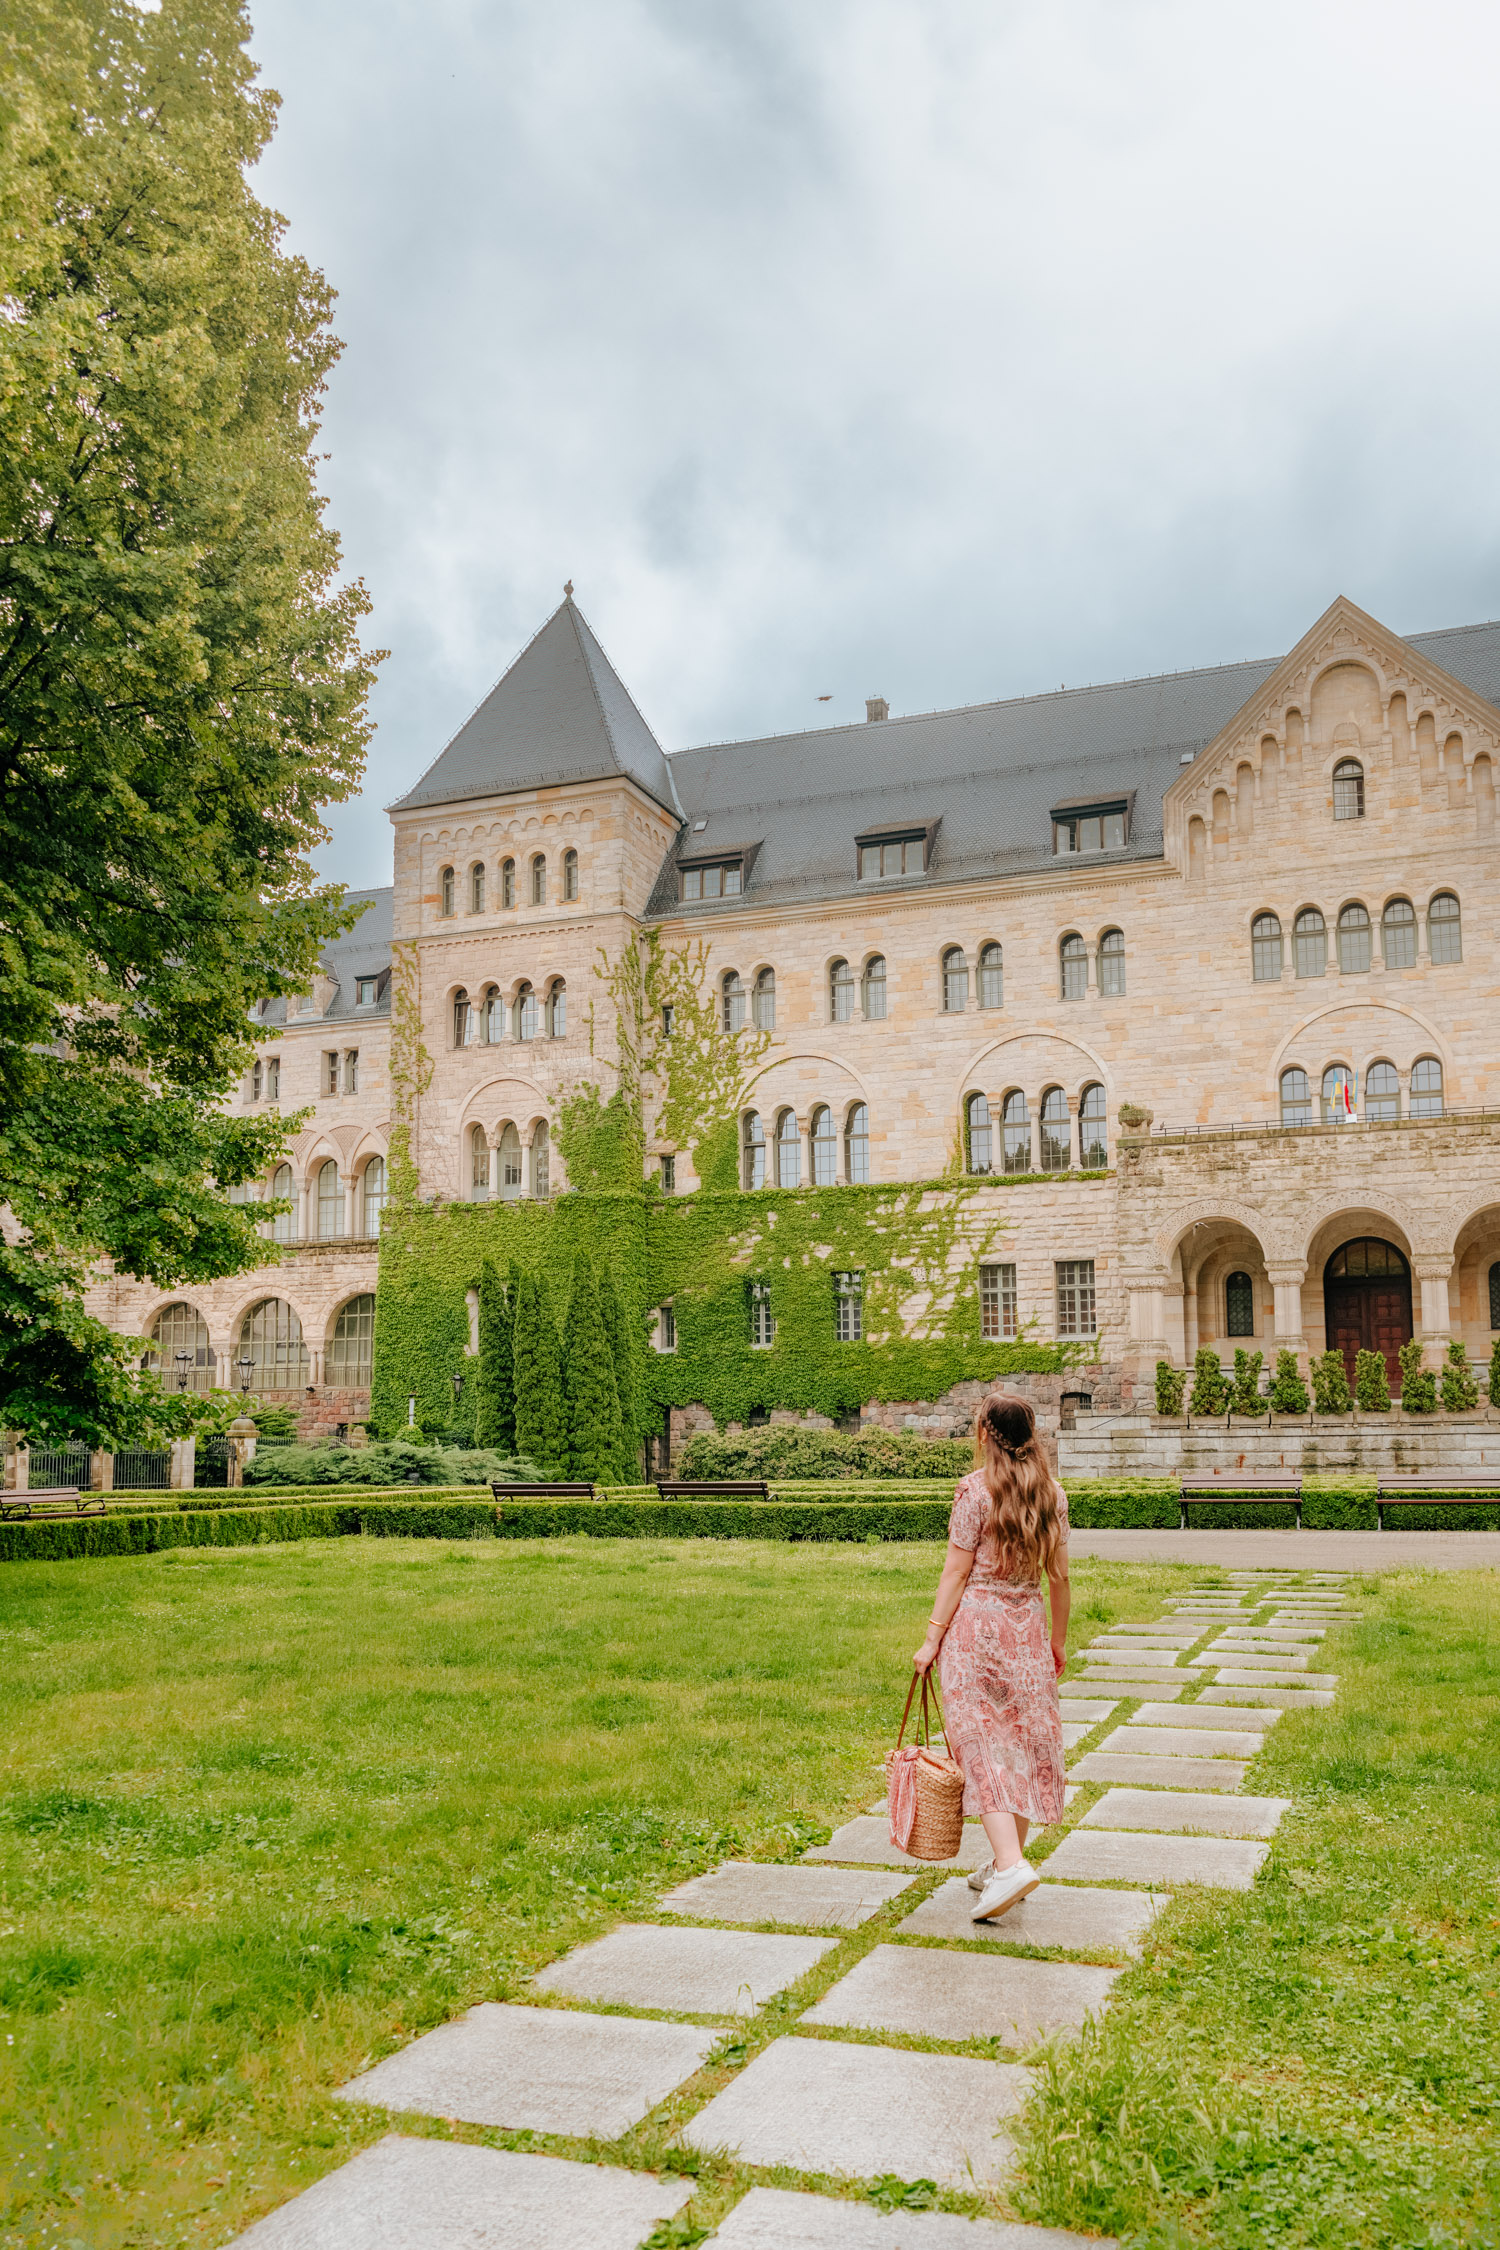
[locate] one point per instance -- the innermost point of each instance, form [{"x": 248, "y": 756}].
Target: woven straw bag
[{"x": 936, "y": 1784}]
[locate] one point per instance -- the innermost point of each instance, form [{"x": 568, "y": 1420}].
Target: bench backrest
[
  {"x": 743, "y": 1488},
  {"x": 46, "y": 1492},
  {"x": 543, "y": 1491},
  {"x": 1239, "y": 1488},
  {"x": 1396, "y": 1485}
]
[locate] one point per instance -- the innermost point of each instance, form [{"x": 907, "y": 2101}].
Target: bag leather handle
[{"x": 925, "y": 1722}]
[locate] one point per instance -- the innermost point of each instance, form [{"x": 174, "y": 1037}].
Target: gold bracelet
[{"x": 933, "y": 1621}]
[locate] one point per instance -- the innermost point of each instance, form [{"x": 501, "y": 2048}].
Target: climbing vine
[{"x": 410, "y": 1072}]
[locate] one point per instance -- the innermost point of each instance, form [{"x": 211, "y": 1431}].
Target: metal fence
[
  {"x": 139, "y": 1471},
  {"x": 66, "y": 1464},
  {"x": 211, "y": 1464}
]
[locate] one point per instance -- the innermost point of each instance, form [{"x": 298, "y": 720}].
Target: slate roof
[
  {"x": 561, "y": 713},
  {"x": 364, "y": 951}
]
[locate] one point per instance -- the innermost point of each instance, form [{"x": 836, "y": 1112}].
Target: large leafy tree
[{"x": 181, "y": 680}]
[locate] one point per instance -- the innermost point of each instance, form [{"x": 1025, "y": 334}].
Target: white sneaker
[
  {"x": 1005, "y": 1890},
  {"x": 981, "y": 1876}
]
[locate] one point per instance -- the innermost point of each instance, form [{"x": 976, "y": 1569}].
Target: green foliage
[
  {"x": 541, "y": 1406},
  {"x": 396, "y": 1463},
  {"x": 274, "y": 1425},
  {"x": 1246, "y": 1398},
  {"x": 1495, "y": 1372},
  {"x": 625, "y": 1357},
  {"x": 495, "y": 1412},
  {"x": 595, "y": 1433},
  {"x": 784, "y": 1450},
  {"x": 1418, "y": 1383},
  {"x": 1459, "y": 1389},
  {"x": 1330, "y": 1384},
  {"x": 1171, "y": 1382},
  {"x": 601, "y": 1141},
  {"x": 1211, "y": 1390},
  {"x": 1372, "y": 1389},
  {"x": 1288, "y": 1391}
]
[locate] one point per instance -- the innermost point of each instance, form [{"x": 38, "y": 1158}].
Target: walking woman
[{"x": 987, "y": 1633}]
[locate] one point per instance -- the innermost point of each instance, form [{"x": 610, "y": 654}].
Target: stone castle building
[{"x": 1121, "y": 949}]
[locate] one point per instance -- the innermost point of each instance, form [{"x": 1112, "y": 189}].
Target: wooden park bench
[
  {"x": 1434, "y": 1492},
  {"x": 1223, "y": 1489},
  {"x": 544, "y": 1491},
  {"x": 50, "y": 1500},
  {"x": 742, "y": 1488}
]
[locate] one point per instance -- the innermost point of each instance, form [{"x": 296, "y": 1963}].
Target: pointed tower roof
[{"x": 561, "y": 713}]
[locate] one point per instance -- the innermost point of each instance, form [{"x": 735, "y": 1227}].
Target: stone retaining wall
[{"x": 1147, "y": 1445}]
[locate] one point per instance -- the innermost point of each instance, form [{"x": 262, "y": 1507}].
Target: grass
[{"x": 269, "y": 1812}]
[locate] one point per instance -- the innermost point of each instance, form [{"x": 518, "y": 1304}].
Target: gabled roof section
[{"x": 561, "y": 713}]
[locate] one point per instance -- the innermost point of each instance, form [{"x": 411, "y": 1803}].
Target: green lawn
[{"x": 268, "y": 1812}]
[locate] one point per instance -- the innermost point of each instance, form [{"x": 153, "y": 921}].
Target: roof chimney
[{"x": 876, "y": 707}]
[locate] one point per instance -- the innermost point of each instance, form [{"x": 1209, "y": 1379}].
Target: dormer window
[
  {"x": 1090, "y": 826},
  {"x": 723, "y": 878},
  {"x": 883, "y": 852},
  {"x": 365, "y": 989}
]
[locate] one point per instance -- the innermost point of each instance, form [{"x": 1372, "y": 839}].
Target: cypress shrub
[
  {"x": 623, "y": 1357},
  {"x": 594, "y": 1431},
  {"x": 541, "y": 1409},
  {"x": 1418, "y": 1383},
  {"x": 1372, "y": 1390},
  {"x": 1210, "y": 1390},
  {"x": 495, "y": 1407},
  {"x": 1171, "y": 1382},
  {"x": 1288, "y": 1391},
  {"x": 1330, "y": 1384},
  {"x": 1247, "y": 1398},
  {"x": 1495, "y": 1373},
  {"x": 1460, "y": 1391}
]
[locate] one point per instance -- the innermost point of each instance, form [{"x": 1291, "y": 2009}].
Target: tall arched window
[
  {"x": 1382, "y": 1093},
  {"x": 1093, "y": 1134},
  {"x": 1296, "y": 1098},
  {"x": 271, "y": 1339},
  {"x": 182, "y": 1328},
  {"x": 733, "y": 991},
  {"x": 1335, "y": 1078},
  {"x": 1112, "y": 964},
  {"x": 541, "y": 1161},
  {"x": 1056, "y": 1138},
  {"x": 955, "y": 980},
  {"x": 284, "y": 1225},
  {"x": 755, "y": 1150},
  {"x": 1310, "y": 943},
  {"x": 857, "y": 1144},
  {"x": 445, "y": 891},
  {"x": 765, "y": 1000},
  {"x": 1353, "y": 939},
  {"x": 1398, "y": 934},
  {"x": 476, "y": 887},
  {"x": 788, "y": 1150},
  {"x": 527, "y": 1013},
  {"x": 1495, "y": 1294},
  {"x": 1348, "y": 790},
  {"x": 351, "y": 1348},
  {"x": 1239, "y": 1305},
  {"x": 539, "y": 879},
  {"x": 479, "y": 1165},
  {"x": 1073, "y": 967},
  {"x": 873, "y": 985},
  {"x": 1426, "y": 1088},
  {"x": 1444, "y": 932},
  {"x": 507, "y": 882},
  {"x": 330, "y": 1202},
  {"x": 372, "y": 1184},
  {"x": 825, "y": 1147},
  {"x": 570, "y": 875},
  {"x": 463, "y": 1019},
  {"x": 557, "y": 1010},
  {"x": 508, "y": 1164},
  {"x": 1015, "y": 1133},
  {"x": 977, "y": 1132},
  {"x": 1265, "y": 949},
  {"x": 492, "y": 1016},
  {"x": 840, "y": 992},
  {"x": 991, "y": 977}
]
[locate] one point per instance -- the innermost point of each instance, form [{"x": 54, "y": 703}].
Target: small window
[
  {"x": 825, "y": 1147},
  {"x": 330, "y": 1203},
  {"x": 1348, "y": 790},
  {"x": 1239, "y": 1306},
  {"x": 1353, "y": 940},
  {"x": 1310, "y": 943},
  {"x": 762, "y": 1319},
  {"x": 331, "y": 1071},
  {"x": 849, "y": 1307},
  {"x": 527, "y": 1013},
  {"x": 732, "y": 987},
  {"x": 755, "y": 1151},
  {"x": 1426, "y": 1088},
  {"x": 284, "y": 1225},
  {"x": 492, "y": 1016},
  {"x": 1055, "y": 1135},
  {"x": 1495, "y": 1294},
  {"x": 508, "y": 882},
  {"x": 570, "y": 875},
  {"x": 463, "y": 1019},
  {"x": 874, "y": 989},
  {"x": 1398, "y": 934},
  {"x": 557, "y": 1010},
  {"x": 991, "y": 977},
  {"x": 476, "y": 887},
  {"x": 997, "y": 1303},
  {"x": 372, "y": 1185},
  {"x": 1112, "y": 964},
  {"x": 479, "y": 1165},
  {"x": 351, "y": 1070},
  {"x": 510, "y": 1166},
  {"x": 541, "y": 1162},
  {"x": 1444, "y": 935},
  {"x": 788, "y": 1150},
  {"x": 1382, "y": 1092},
  {"x": 977, "y": 1132},
  {"x": 351, "y": 1348},
  {"x": 1296, "y": 1098},
  {"x": 1101, "y": 829},
  {"x": 955, "y": 981},
  {"x": 1265, "y": 949},
  {"x": 365, "y": 989},
  {"x": 1075, "y": 1297},
  {"x": 667, "y": 1174},
  {"x": 764, "y": 1001},
  {"x": 857, "y": 1144},
  {"x": 892, "y": 855},
  {"x": 1093, "y": 1135},
  {"x": 666, "y": 1021},
  {"x": 539, "y": 880},
  {"x": 273, "y": 1078},
  {"x": 1015, "y": 1133},
  {"x": 840, "y": 992},
  {"x": 257, "y": 1080},
  {"x": 722, "y": 881},
  {"x": 1073, "y": 961},
  {"x": 445, "y": 891},
  {"x": 664, "y": 1336}
]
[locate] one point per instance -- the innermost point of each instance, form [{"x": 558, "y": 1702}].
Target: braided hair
[{"x": 1021, "y": 1510}]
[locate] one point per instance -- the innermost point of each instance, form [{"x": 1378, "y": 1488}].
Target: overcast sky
[{"x": 938, "y": 349}]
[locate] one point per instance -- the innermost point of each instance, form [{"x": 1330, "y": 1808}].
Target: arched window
[
  {"x": 733, "y": 989},
  {"x": 445, "y": 891},
  {"x": 1426, "y": 1088},
  {"x": 1112, "y": 964},
  {"x": 755, "y": 1151},
  {"x": 1093, "y": 1135},
  {"x": 271, "y": 1339},
  {"x": 1382, "y": 1092},
  {"x": 1444, "y": 933},
  {"x": 840, "y": 992},
  {"x": 492, "y": 1016},
  {"x": 507, "y": 882},
  {"x": 1353, "y": 939},
  {"x": 330, "y": 1202},
  {"x": 1239, "y": 1305},
  {"x": 1265, "y": 949},
  {"x": 1073, "y": 967},
  {"x": 1348, "y": 790},
  {"x": 351, "y": 1348},
  {"x": 1495, "y": 1294},
  {"x": 991, "y": 977},
  {"x": 765, "y": 1000},
  {"x": 479, "y": 1165},
  {"x": 1015, "y": 1133},
  {"x": 284, "y": 1225},
  {"x": 372, "y": 1183},
  {"x": 182, "y": 1328},
  {"x": 825, "y": 1147},
  {"x": 1398, "y": 934},
  {"x": 1056, "y": 1139},
  {"x": 508, "y": 1164},
  {"x": 476, "y": 887},
  {"x": 526, "y": 1013},
  {"x": 541, "y": 1162},
  {"x": 857, "y": 1144},
  {"x": 955, "y": 980},
  {"x": 977, "y": 1132},
  {"x": 1335, "y": 1078},
  {"x": 557, "y": 1009},
  {"x": 539, "y": 879},
  {"x": 1296, "y": 1098},
  {"x": 570, "y": 875},
  {"x": 788, "y": 1150},
  {"x": 1310, "y": 943},
  {"x": 463, "y": 1019},
  {"x": 873, "y": 983}
]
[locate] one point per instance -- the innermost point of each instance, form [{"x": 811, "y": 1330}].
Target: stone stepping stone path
[
  {"x": 953, "y": 1996},
  {"x": 778, "y": 2219},
  {"x": 690, "y": 1972},
  {"x": 1088, "y": 1855},
  {"x": 1168, "y": 1811},
  {"x": 1056, "y": 1916},
  {"x": 747, "y": 1890}
]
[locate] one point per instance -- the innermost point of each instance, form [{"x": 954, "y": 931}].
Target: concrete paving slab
[
  {"x": 1251, "y": 1675},
  {"x": 1078, "y": 1707},
  {"x": 1266, "y": 1636},
  {"x": 543, "y": 2070},
  {"x": 1279, "y": 1660},
  {"x": 1166, "y": 1811},
  {"x": 1278, "y": 1699},
  {"x": 1159, "y": 1684},
  {"x": 1163, "y": 1773},
  {"x": 1097, "y": 1855},
  {"x": 406, "y": 2194},
  {"x": 867, "y": 1840},
  {"x": 697, "y": 1972},
  {"x": 1074, "y": 1732},
  {"x": 1195, "y": 1715},
  {"x": 933, "y": 1995},
  {"x": 1106, "y": 1651},
  {"x": 1060, "y": 1916},
  {"x": 1165, "y": 1633},
  {"x": 1181, "y": 1739},
  {"x": 742, "y": 1890},
  {"x": 823, "y": 2106},
  {"x": 778, "y": 2219}
]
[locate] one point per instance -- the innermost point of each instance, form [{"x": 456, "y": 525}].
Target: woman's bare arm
[
  {"x": 1060, "y": 1595},
  {"x": 957, "y": 1564}
]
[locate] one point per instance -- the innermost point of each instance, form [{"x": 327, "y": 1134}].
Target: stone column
[
  {"x": 1434, "y": 1274},
  {"x": 1174, "y": 1323},
  {"x": 242, "y": 1436},
  {"x": 306, "y": 1207},
  {"x": 1147, "y": 1323},
  {"x": 1034, "y": 1110},
  {"x": 1287, "y": 1282},
  {"x": 18, "y": 1469},
  {"x": 1075, "y": 1146},
  {"x": 348, "y": 1179},
  {"x": 183, "y": 1467},
  {"x": 101, "y": 1472}
]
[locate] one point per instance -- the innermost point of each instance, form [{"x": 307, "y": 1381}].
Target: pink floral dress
[{"x": 1000, "y": 1704}]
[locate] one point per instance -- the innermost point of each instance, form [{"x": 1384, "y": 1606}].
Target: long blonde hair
[{"x": 1021, "y": 1509}]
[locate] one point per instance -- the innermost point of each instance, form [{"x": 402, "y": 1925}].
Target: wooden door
[{"x": 1370, "y": 1316}]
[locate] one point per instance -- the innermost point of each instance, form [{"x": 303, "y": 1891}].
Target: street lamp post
[
  {"x": 246, "y": 1367},
  {"x": 184, "y": 1361}
]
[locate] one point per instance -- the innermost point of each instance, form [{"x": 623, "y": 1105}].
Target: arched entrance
[{"x": 1367, "y": 1302}]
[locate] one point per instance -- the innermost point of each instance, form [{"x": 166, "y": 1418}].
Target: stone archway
[{"x": 1367, "y": 1302}]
